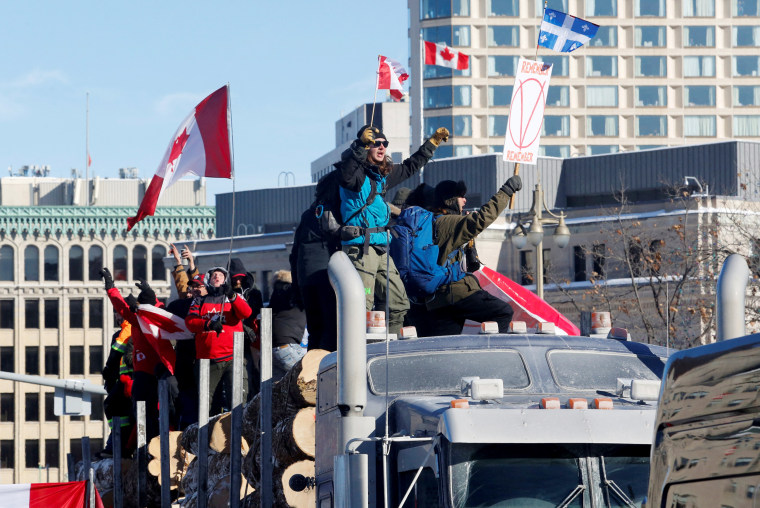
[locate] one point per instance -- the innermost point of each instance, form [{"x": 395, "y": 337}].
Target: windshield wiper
[
  {"x": 569, "y": 499},
  {"x": 614, "y": 486}
]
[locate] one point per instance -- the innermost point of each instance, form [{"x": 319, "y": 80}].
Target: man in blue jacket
[{"x": 366, "y": 172}]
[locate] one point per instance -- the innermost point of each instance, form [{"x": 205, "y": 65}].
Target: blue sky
[{"x": 294, "y": 68}]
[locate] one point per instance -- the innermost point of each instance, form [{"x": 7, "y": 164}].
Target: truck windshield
[{"x": 547, "y": 475}]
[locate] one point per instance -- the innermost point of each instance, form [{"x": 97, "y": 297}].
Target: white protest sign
[{"x": 526, "y": 112}]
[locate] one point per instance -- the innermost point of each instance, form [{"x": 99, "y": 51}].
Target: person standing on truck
[
  {"x": 366, "y": 172},
  {"x": 213, "y": 319},
  {"x": 445, "y": 312}
]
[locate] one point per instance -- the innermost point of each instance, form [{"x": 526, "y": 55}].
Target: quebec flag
[{"x": 564, "y": 33}]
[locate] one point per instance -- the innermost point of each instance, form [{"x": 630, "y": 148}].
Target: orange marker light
[
  {"x": 603, "y": 403},
  {"x": 550, "y": 403},
  {"x": 460, "y": 403},
  {"x": 577, "y": 403}
]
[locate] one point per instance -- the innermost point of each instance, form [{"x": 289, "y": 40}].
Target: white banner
[{"x": 526, "y": 112}]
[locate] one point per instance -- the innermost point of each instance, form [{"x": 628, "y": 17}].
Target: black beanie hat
[
  {"x": 448, "y": 189},
  {"x": 379, "y": 134},
  {"x": 423, "y": 195},
  {"x": 237, "y": 268}
]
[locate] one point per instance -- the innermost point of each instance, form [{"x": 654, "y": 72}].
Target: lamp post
[{"x": 535, "y": 233}]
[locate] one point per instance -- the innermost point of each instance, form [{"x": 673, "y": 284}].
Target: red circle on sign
[{"x": 522, "y": 133}]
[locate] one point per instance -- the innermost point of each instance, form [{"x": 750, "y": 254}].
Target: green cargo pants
[{"x": 376, "y": 269}]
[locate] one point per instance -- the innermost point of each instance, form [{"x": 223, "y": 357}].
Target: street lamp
[{"x": 534, "y": 233}]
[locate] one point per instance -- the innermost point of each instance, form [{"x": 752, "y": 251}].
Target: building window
[
  {"x": 699, "y": 8},
  {"x": 462, "y": 150},
  {"x": 651, "y": 125},
  {"x": 51, "y": 453},
  {"x": 502, "y": 65},
  {"x": 579, "y": 263},
  {"x": 31, "y": 407},
  {"x": 444, "y": 151},
  {"x": 746, "y": 95},
  {"x": 140, "y": 263},
  {"x": 76, "y": 360},
  {"x": 650, "y": 8},
  {"x": 444, "y": 8},
  {"x": 503, "y": 36},
  {"x": 6, "y": 263},
  {"x": 31, "y": 453},
  {"x": 558, "y": 96},
  {"x": 606, "y": 37},
  {"x": 503, "y": 8},
  {"x": 651, "y": 96},
  {"x": 648, "y": 147},
  {"x": 746, "y": 36},
  {"x": 699, "y": 125},
  {"x": 746, "y": 125},
  {"x": 496, "y": 148},
  {"x": 745, "y": 8},
  {"x": 7, "y": 409},
  {"x": 32, "y": 360},
  {"x": 51, "y": 263},
  {"x": 598, "y": 257},
  {"x": 602, "y": 96},
  {"x": 601, "y": 125},
  {"x": 120, "y": 263},
  {"x": 650, "y": 36},
  {"x": 699, "y": 95},
  {"x": 601, "y": 8},
  {"x": 76, "y": 263},
  {"x": 557, "y": 5},
  {"x": 698, "y": 66},
  {"x": 51, "y": 314},
  {"x": 32, "y": 313},
  {"x": 50, "y": 407},
  {"x": 462, "y": 125},
  {"x": 51, "y": 360},
  {"x": 746, "y": 65},
  {"x": 95, "y": 357},
  {"x": 651, "y": 66},
  {"x": 556, "y": 125},
  {"x": 76, "y": 313},
  {"x": 597, "y": 66},
  {"x": 96, "y": 408},
  {"x": 7, "y": 454},
  {"x": 442, "y": 97},
  {"x": 560, "y": 64},
  {"x": 96, "y": 313},
  {"x": 31, "y": 263},
  {"x": 497, "y": 125},
  {"x": 94, "y": 262},
  {"x": 602, "y": 149},
  {"x": 562, "y": 151},
  {"x": 526, "y": 268},
  {"x": 432, "y": 123},
  {"x": 500, "y": 95},
  {"x": 699, "y": 36},
  {"x": 7, "y": 314},
  {"x": 7, "y": 362}
]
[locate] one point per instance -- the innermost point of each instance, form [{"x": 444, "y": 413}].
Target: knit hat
[
  {"x": 448, "y": 189},
  {"x": 379, "y": 134},
  {"x": 237, "y": 268},
  {"x": 423, "y": 196},
  {"x": 401, "y": 196}
]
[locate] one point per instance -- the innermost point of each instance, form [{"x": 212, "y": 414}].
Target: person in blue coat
[{"x": 366, "y": 172}]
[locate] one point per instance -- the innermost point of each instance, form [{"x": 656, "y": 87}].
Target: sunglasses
[{"x": 378, "y": 143}]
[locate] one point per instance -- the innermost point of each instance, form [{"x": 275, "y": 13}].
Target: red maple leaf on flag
[
  {"x": 162, "y": 322},
  {"x": 177, "y": 147},
  {"x": 446, "y": 54}
]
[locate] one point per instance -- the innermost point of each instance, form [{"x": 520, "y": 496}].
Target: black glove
[
  {"x": 147, "y": 295},
  {"x": 228, "y": 291},
  {"x": 106, "y": 274},
  {"x": 131, "y": 302},
  {"x": 472, "y": 260},
  {"x": 512, "y": 185},
  {"x": 214, "y": 325}
]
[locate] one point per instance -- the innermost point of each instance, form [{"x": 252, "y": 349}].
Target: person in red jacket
[
  {"x": 151, "y": 359},
  {"x": 214, "y": 319}
]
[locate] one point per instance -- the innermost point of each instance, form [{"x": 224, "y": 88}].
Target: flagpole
[
  {"x": 377, "y": 85},
  {"x": 87, "y": 153},
  {"x": 232, "y": 162},
  {"x": 420, "y": 95}
]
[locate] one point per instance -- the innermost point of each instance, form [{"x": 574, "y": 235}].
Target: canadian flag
[
  {"x": 390, "y": 75},
  {"x": 45, "y": 495},
  {"x": 156, "y": 323},
  {"x": 437, "y": 53},
  {"x": 201, "y": 146}
]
